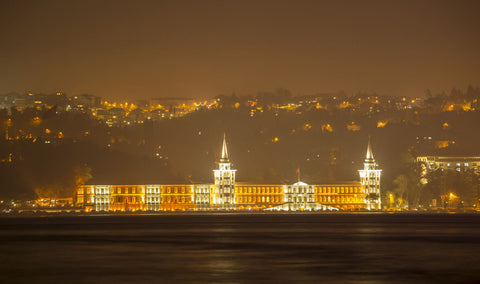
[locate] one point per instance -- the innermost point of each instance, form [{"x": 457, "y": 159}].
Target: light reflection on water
[{"x": 241, "y": 248}]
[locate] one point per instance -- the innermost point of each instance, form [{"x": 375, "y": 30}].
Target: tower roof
[
  {"x": 224, "y": 149},
  {"x": 369, "y": 156}
]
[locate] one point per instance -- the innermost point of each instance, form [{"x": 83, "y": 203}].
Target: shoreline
[{"x": 226, "y": 213}]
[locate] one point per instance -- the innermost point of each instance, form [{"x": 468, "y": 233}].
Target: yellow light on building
[
  {"x": 353, "y": 127},
  {"x": 326, "y": 128},
  {"x": 381, "y": 124},
  {"x": 36, "y": 121}
]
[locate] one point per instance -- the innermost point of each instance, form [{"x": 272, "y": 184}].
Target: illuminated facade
[
  {"x": 370, "y": 180},
  {"x": 226, "y": 194},
  {"x": 432, "y": 163},
  {"x": 224, "y": 190}
]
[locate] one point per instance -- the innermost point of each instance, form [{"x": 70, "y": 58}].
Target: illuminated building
[
  {"x": 203, "y": 197},
  {"x": 177, "y": 197},
  {"x": 300, "y": 197},
  {"x": 226, "y": 194},
  {"x": 153, "y": 197},
  {"x": 432, "y": 163},
  {"x": 346, "y": 195},
  {"x": 224, "y": 190},
  {"x": 370, "y": 180}
]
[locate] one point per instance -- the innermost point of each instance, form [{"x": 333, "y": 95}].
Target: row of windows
[
  {"x": 102, "y": 200},
  {"x": 340, "y": 199},
  {"x": 299, "y": 190},
  {"x": 113, "y": 190},
  {"x": 202, "y": 190},
  {"x": 342, "y": 189},
  {"x": 239, "y": 190},
  {"x": 240, "y": 199},
  {"x": 204, "y": 200},
  {"x": 153, "y": 190},
  {"x": 298, "y": 199},
  {"x": 225, "y": 200},
  {"x": 177, "y": 190},
  {"x": 223, "y": 182},
  {"x": 140, "y": 199},
  {"x": 176, "y": 199},
  {"x": 456, "y": 164},
  {"x": 226, "y": 190},
  {"x": 222, "y": 192},
  {"x": 259, "y": 189},
  {"x": 153, "y": 200},
  {"x": 260, "y": 199},
  {"x": 127, "y": 199}
]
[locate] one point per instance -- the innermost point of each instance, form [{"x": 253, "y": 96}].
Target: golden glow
[
  {"x": 353, "y": 127},
  {"x": 467, "y": 107},
  {"x": 327, "y": 128},
  {"x": 452, "y": 195},
  {"x": 247, "y": 196},
  {"x": 344, "y": 105},
  {"x": 443, "y": 144},
  {"x": 381, "y": 124},
  {"x": 36, "y": 121}
]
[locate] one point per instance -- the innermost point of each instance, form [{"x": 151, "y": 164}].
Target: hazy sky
[{"x": 142, "y": 49}]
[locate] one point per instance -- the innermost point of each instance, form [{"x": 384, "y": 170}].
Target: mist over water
[{"x": 241, "y": 248}]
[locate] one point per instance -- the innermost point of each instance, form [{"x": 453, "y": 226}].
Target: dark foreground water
[{"x": 241, "y": 248}]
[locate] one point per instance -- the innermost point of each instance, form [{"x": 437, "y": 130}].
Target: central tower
[
  {"x": 224, "y": 195},
  {"x": 370, "y": 180}
]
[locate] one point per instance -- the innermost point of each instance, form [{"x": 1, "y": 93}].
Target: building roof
[{"x": 369, "y": 156}]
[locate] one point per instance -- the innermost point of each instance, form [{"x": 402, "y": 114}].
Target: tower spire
[
  {"x": 370, "y": 180},
  {"x": 224, "y": 192},
  {"x": 224, "y": 149},
  {"x": 369, "y": 151}
]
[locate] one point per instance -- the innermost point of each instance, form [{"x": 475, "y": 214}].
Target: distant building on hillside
[{"x": 458, "y": 163}]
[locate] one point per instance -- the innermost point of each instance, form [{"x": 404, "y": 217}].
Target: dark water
[{"x": 241, "y": 248}]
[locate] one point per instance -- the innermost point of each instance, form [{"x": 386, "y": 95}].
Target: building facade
[
  {"x": 227, "y": 194},
  {"x": 432, "y": 163}
]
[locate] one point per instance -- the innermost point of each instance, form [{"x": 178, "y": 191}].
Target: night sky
[{"x": 199, "y": 49}]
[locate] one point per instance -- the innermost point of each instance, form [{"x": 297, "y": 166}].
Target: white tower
[
  {"x": 224, "y": 194},
  {"x": 370, "y": 180}
]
